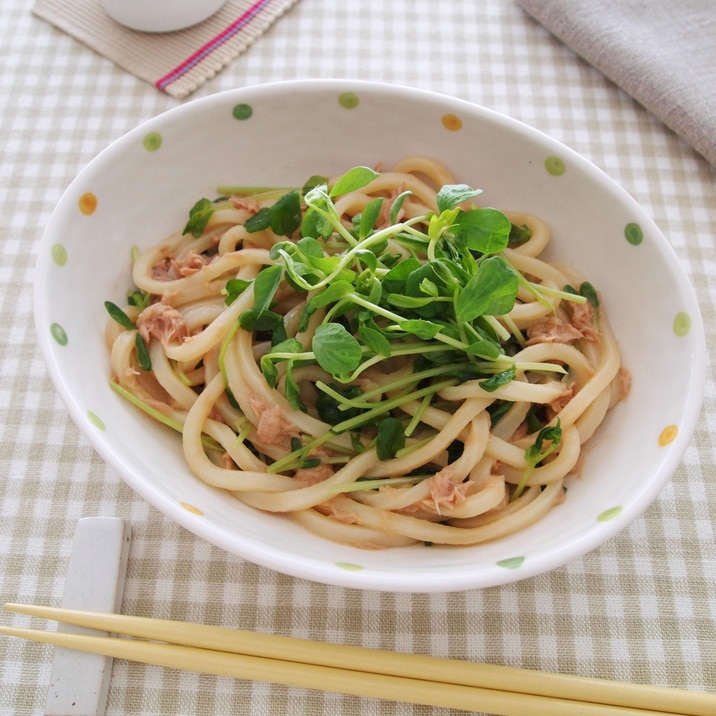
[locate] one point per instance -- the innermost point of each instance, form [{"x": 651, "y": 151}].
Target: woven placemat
[{"x": 175, "y": 62}]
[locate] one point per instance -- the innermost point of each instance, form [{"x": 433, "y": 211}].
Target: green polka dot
[
  {"x": 152, "y": 141},
  {"x": 348, "y": 100},
  {"x": 682, "y": 323},
  {"x": 242, "y": 111},
  {"x": 633, "y": 234},
  {"x": 59, "y": 254},
  {"x": 349, "y": 566},
  {"x": 609, "y": 514},
  {"x": 96, "y": 420},
  {"x": 555, "y": 166},
  {"x": 58, "y": 333},
  {"x": 511, "y": 562}
]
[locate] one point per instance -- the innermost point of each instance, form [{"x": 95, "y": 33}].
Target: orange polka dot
[
  {"x": 191, "y": 508},
  {"x": 668, "y": 435},
  {"x": 452, "y": 122},
  {"x": 88, "y": 203}
]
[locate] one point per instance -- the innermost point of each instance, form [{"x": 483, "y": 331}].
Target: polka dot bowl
[{"x": 139, "y": 189}]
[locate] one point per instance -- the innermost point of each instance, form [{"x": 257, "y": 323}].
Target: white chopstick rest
[{"x": 95, "y": 580}]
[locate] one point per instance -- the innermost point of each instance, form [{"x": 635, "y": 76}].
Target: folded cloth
[
  {"x": 175, "y": 62},
  {"x": 663, "y": 53}
]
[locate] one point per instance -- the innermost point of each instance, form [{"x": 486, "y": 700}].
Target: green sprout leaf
[
  {"x": 491, "y": 291},
  {"x": 140, "y": 299},
  {"x": 118, "y": 315},
  {"x": 590, "y": 293},
  {"x": 199, "y": 216},
  {"x": 331, "y": 294},
  {"x": 143, "y": 359},
  {"x": 499, "y": 379},
  {"x": 354, "y": 179},
  {"x": 398, "y": 205},
  {"x": 422, "y": 329},
  {"x": 331, "y": 409},
  {"x": 536, "y": 452},
  {"x": 285, "y": 215},
  {"x": 451, "y": 195},
  {"x": 337, "y": 351},
  {"x": 234, "y": 288},
  {"x": 375, "y": 340},
  {"x": 391, "y": 438},
  {"x": 369, "y": 216},
  {"x": 266, "y": 284},
  {"x": 485, "y": 230},
  {"x": 519, "y": 235},
  {"x": 260, "y": 221}
]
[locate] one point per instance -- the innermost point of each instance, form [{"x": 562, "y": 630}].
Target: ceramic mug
[{"x": 160, "y": 15}]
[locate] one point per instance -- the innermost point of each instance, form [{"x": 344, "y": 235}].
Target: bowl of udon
[{"x": 370, "y": 336}]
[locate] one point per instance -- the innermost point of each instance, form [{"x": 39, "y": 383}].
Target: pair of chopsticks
[{"x": 358, "y": 671}]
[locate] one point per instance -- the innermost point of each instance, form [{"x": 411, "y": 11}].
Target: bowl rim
[{"x": 325, "y": 572}]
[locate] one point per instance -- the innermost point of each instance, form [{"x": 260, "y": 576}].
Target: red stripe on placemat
[{"x": 203, "y": 52}]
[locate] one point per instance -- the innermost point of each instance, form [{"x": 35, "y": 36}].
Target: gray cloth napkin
[{"x": 662, "y": 52}]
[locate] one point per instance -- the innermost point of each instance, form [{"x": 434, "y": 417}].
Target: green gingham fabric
[{"x": 641, "y": 608}]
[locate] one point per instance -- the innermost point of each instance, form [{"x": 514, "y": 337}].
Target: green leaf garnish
[
  {"x": 391, "y": 438},
  {"x": 199, "y": 216},
  {"x": 260, "y": 221},
  {"x": 492, "y": 290},
  {"x": 519, "y": 235},
  {"x": 234, "y": 288},
  {"x": 499, "y": 379},
  {"x": 536, "y": 452},
  {"x": 590, "y": 293},
  {"x": 451, "y": 195},
  {"x": 485, "y": 230},
  {"x": 140, "y": 299},
  {"x": 336, "y": 350},
  {"x": 352, "y": 180},
  {"x": 266, "y": 284},
  {"x": 118, "y": 315},
  {"x": 143, "y": 359},
  {"x": 285, "y": 215}
]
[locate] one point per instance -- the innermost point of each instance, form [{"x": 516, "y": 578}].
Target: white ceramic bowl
[{"x": 138, "y": 190}]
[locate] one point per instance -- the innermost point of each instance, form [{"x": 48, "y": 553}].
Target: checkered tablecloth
[{"x": 642, "y": 608}]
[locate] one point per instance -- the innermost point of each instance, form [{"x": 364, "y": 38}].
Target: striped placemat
[{"x": 175, "y": 62}]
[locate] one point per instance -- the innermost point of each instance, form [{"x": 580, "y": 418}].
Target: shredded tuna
[
  {"x": 308, "y": 476},
  {"x": 190, "y": 264},
  {"x": 559, "y": 403},
  {"x": 171, "y": 268},
  {"x": 552, "y": 330},
  {"x": 521, "y": 431},
  {"x": 251, "y": 205},
  {"x": 624, "y": 378},
  {"x": 584, "y": 319},
  {"x": 163, "y": 323},
  {"x": 444, "y": 491},
  {"x": 161, "y": 271},
  {"x": 272, "y": 428}
]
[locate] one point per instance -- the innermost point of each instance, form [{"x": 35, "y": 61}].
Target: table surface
[{"x": 641, "y": 608}]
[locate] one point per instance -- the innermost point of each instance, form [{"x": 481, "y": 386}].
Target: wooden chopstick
[{"x": 360, "y": 671}]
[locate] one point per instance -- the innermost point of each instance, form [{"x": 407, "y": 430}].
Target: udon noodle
[{"x": 378, "y": 356}]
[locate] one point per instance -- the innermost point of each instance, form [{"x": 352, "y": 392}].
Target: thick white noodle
[{"x": 239, "y": 433}]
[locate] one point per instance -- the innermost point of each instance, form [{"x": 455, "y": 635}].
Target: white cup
[{"x": 160, "y": 15}]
